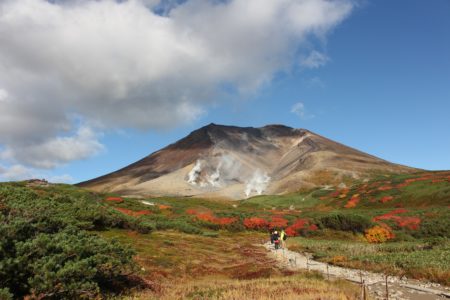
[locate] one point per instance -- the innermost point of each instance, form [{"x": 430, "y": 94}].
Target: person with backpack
[
  {"x": 283, "y": 237},
  {"x": 275, "y": 237}
]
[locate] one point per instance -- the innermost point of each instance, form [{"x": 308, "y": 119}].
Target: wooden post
[
  {"x": 328, "y": 273},
  {"x": 307, "y": 264},
  {"x": 364, "y": 290},
  {"x": 387, "y": 289},
  {"x": 362, "y": 285}
]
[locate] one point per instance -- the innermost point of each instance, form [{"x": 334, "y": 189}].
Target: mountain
[{"x": 237, "y": 162}]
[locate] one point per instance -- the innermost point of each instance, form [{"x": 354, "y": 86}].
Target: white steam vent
[
  {"x": 214, "y": 179},
  {"x": 194, "y": 174},
  {"x": 224, "y": 170},
  {"x": 258, "y": 183}
]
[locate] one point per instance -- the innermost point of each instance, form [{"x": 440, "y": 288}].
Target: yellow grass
[
  {"x": 300, "y": 286},
  {"x": 230, "y": 266}
]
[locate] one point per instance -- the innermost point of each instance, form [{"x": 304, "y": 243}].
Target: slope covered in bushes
[{"x": 46, "y": 249}]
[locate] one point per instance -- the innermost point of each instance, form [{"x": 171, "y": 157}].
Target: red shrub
[
  {"x": 208, "y": 217},
  {"x": 385, "y": 188},
  {"x": 353, "y": 201},
  {"x": 386, "y": 199},
  {"x": 295, "y": 228},
  {"x": 390, "y": 215},
  {"x": 313, "y": 227},
  {"x": 278, "y": 222},
  {"x": 402, "y": 185},
  {"x": 335, "y": 194},
  {"x": 437, "y": 180},
  {"x": 114, "y": 199},
  {"x": 132, "y": 212},
  {"x": 191, "y": 211},
  {"x": 255, "y": 223},
  {"x": 409, "y": 222},
  {"x": 423, "y": 178}
]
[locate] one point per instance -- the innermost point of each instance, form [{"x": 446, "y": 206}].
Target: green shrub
[
  {"x": 437, "y": 227},
  {"x": 235, "y": 227},
  {"x": 5, "y": 294},
  {"x": 178, "y": 224},
  {"x": 210, "y": 234},
  {"x": 45, "y": 250},
  {"x": 67, "y": 264},
  {"x": 345, "y": 222}
]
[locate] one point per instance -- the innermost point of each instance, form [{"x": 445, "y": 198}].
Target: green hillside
[{"x": 59, "y": 241}]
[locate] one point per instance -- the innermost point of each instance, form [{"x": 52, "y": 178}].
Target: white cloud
[
  {"x": 15, "y": 172},
  {"x": 3, "y": 95},
  {"x": 300, "y": 110},
  {"x": 119, "y": 64},
  {"x": 19, "y": 172},
  {"x": 56, "y": 151},
  {"x": 314, "y": 60}
]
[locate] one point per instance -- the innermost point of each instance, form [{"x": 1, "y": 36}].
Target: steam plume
[{"x": 258, "y": 183}]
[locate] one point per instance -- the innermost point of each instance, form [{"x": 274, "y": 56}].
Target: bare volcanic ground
[{"x": 236, "y": 162}]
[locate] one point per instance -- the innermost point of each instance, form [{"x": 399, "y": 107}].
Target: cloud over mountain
[{"x": 138, "y": 64}]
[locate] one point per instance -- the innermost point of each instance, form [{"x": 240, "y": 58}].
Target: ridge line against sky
[{"x": 87, "y": 87}]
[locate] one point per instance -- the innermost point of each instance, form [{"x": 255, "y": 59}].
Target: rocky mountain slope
[{"x": 236, "y": 162}]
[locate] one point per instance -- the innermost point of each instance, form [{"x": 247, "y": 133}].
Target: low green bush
[
  {"x": 5, "y": 294},
  {"x": 436, "y": 227},
  {"x": 177, "y": 224},
  {"x": 345, "y": 222},
  {"x": 210, "y": 234},
  {"x": 45, "y": 250}
]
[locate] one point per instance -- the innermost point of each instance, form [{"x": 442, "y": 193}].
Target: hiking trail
[{"x": 399, "y": 288}]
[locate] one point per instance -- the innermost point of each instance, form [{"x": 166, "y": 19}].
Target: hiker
[
  {"x": 283, "y": 237},
  {"x": 271, "y": 236},
  {"x": 275, "y": 237}
]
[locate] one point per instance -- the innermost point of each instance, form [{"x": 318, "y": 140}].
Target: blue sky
[{"x": 380, "y": 83}]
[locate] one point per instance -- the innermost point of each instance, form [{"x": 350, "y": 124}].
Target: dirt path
[{"x": 398, "y": 288}]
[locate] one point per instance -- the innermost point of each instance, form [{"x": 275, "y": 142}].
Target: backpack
[{"x": 285, "y": 237}]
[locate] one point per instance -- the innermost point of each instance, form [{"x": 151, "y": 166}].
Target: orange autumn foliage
[
  {"x": 278, "y": 222},
  {"x": 411, "y": 223},
  {"x": 295, "y": 228},
  {"x": 255, "y": 223},
  {"x": 132, "y": 212},
  {"x": 162, "y": 206},
  {"x": 386, "y": 199},
  {"x": 379, "y": 234},
  {"x": 353, "y": 201},
  {"x": 114, "y": 199},
  {"x": 385, "y": 188},
  {"x": 208, "y": 216}
]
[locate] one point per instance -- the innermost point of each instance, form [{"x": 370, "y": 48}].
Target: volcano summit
[{"x": 238, "y": 162}]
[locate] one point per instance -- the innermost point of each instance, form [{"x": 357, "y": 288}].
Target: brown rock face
[{"x": 237, "y": 162}]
